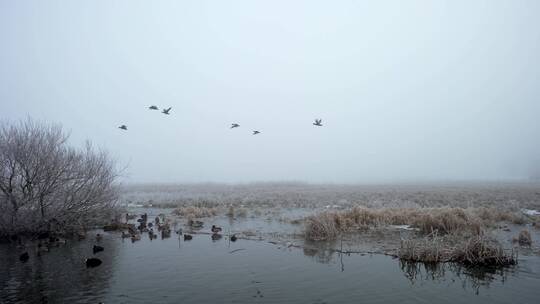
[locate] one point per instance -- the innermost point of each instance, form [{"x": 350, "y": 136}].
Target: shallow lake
[{"x": 247, "y": 271}]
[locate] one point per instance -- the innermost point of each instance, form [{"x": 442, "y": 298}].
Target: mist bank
[{"x": 466, "y": 183}]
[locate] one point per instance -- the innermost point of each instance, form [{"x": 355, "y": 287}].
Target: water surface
[{"x": 248, "y": 271}]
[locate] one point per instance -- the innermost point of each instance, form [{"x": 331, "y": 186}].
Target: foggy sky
[{"x": 407, "y": 90}]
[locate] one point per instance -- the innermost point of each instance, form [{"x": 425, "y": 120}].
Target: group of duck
[
  {"x": 317, "y": 122},
  {"x": 134, "y": 232},
  {"x": 94, "y": 262},
  {"x": 45, "y": 242},
  {"x": 163, "y": 226}
]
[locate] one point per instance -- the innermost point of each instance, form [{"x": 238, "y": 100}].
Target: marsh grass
[
  {"x": 524, "y": 238},
  {"x": 477, "y": 250},
  {"x": 241, "y": 212},
  {"x": 425, "y": 250},
  {"x": 324, "y": 226},
  {"x": 196, "y": 212},
  {"x": 298, "y": 195},
  {"x": 328, "y": 225},
  {"x": 233, "y": 211}
]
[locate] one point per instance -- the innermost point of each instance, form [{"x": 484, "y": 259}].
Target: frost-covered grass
[
  {"x": 449, "y": 222},
  {"x": 447, "y": 234},
  {"x": 329, "y": 224},
  {"x": 338, "y": 209},
  {"x": 196, "y": 212},
  {"x": 478, "y": 250},
  {"x": 297, "y": 195}
]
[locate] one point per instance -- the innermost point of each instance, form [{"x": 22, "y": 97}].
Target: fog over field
[{"x": 407, "y": 90}]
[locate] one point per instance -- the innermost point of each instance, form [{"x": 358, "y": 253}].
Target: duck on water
[{"x": 92, "y": 262}]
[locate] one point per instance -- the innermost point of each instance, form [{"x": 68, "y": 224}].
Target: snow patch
[
  {"x": 530, "y": 212},
  {"x": 403, "y": 227}
]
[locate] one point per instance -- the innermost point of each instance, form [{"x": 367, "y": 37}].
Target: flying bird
[
  {"x": 166, "y": 111},
  {"x": 153, "y": 108},
  {"x": 318, "y": 123},
  {"x": 234, "y": 125},
  {"x": 123, "y": 127},
  {"x": 256, "y": 132}
]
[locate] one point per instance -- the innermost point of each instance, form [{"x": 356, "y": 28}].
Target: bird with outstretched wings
[{"x": 318, "y": 123}]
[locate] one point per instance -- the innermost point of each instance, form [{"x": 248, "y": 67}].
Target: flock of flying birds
[{"x": 317, "y": 123}]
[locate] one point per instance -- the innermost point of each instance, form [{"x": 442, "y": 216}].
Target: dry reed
[
  {"x": 327, "y": 225},
  {"x": 233, "y": 211},
  {"x": 195, "y": 212},
  {"x": 474, "y": 251},
  {"x": 524, "y": 238}
]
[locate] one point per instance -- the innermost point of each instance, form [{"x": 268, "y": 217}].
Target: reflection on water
[
  {"x": 321, "y": 252},
  {"x": 470, "y": 277},
  {"x": 207, "y": 270},
  {"x": 56, "y": 276}
]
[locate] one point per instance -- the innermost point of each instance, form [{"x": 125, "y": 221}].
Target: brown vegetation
[
  {"x": 512, "y": 196},
  {"x": 536, "y": 224},
  {"x": 323, "y": 226},
  {"x": 524, "y": 238},
  {"x": 451, "y": 234},
  {"x": 328, "y": 225},
  {"x": 236, "y": 212},
  {"x": 476, "y": 251},
  {"x": 195, "y": 212}
]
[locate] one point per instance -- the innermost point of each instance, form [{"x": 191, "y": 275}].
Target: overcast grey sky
[{"x": 407, "y": 90}]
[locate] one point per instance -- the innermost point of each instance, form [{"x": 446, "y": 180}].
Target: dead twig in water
[{"x": 237, "y": 250}]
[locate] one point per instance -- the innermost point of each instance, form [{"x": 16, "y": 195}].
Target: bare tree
[{"x": 45, "y": 183}]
